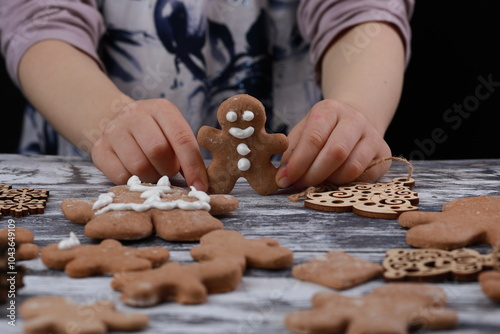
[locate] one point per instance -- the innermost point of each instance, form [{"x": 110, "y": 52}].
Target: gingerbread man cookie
[
  {"x": 106, "y": 258},
  {"x": 242, "y": 148},
  {"x": 258, "y": 253},
  {"x": 45, "y": 315},
  {"x": 189, "y": 284},
  {"x": 133, "y": 211},
  {"x": 392, "y": 308},
  {"x": 464, "y": 221}
]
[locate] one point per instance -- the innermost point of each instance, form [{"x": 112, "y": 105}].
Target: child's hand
[
  {"x": 333, "y": 143},
  {"x": 149, "y": 139}
]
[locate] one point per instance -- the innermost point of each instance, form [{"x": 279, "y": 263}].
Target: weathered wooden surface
[{"x": 264, "y": 297}]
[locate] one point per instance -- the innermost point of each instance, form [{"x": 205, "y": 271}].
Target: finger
[
  {"x": 133, "y": 158},
  {"x": 335, "y": 153},
  {"x": 108, "y": 163},
  {"x": 185, "y": 146},
  {"x": 293, "y": 139},
  {"x": 315, "y": 134},
  {"x": 152, "y": 141},
  {"x": 356, "y": 163}
]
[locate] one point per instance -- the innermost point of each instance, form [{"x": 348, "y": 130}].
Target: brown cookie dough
[
  {"x": 392, "y": 308},
  {"x": 337, "y": 270},
  {"x": 108, "y": 257},
  {"x": 189, "y": 284},
  {"x": 45, "y": 315},
  {"x": 259, "y": 253},
  {"x": 464, "y": 221},
  {"x": 242, "y": 148}
]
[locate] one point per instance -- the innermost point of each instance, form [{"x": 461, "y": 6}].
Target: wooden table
[{"x": 264, "y": 297}]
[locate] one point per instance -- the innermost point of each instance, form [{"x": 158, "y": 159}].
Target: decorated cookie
[
  {"x": 136, "y": 210},
  {"x": 392, "y": 308},
  {"x": 465, "y": 221},
  {"x": 22, "y": 202},
  {"x": 189, "y": 284},
  {"x": 26, "y": 249},
  {"x": 108, "y": 257},
  {"x": 337, "y": 270},
  {"x": 242, "y": 148},
  {"x": 434, "y": 264},
  {"x": 379, "y": 200},
  {"x": 45, "y": 315},
  {"x": 259, "y": 253}
]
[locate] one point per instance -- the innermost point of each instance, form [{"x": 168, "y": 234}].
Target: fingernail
[
  {"x": 199, "y": 185},
  {"x": 283, "y": 182}
]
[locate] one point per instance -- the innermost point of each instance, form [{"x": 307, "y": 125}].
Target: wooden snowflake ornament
[
  {"x": 379, "y": 200},
  {"x": 22, "y": 202}
]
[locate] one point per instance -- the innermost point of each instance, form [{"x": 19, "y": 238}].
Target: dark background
[{"x": 453, "y": 45}]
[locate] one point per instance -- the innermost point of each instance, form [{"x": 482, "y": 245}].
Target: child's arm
[
  {"x": 147, "y": 138},
  {"x": 343, "y": 134}
]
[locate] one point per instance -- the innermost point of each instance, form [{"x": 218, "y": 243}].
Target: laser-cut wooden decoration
[
  {"x": 434, "y": 264},
  {"x": 23, "y": 201},
  {"x": 379, "y": 200}
]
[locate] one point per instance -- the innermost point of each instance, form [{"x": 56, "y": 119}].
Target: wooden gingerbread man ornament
[{"x": 242, "y": 148}]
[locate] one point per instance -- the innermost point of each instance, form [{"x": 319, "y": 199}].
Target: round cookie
[{"x": 242, "y": 148}]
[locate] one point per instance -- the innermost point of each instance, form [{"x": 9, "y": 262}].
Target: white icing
[
  {"x": 248, "y": 115},
  {"x": 243, "y": 149},
  {"x": 103, "y": 200},
  {"x": 135, "y": 184},
  {"x": 231, "y": 116},
  {"x": 200, "y": 195},
  {"x": 153, "y": 198},
  {"x": 244, "y": 164},
  {"x": 70, "y": 242},
  {"x": 241, "y": 133}
]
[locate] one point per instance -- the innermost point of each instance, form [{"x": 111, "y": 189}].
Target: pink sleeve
[
  {"x": 26, "y": 22},
  {"x": 320, "y": 21}
]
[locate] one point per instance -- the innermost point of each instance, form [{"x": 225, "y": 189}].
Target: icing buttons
[
  {"x": 243, "y": 149},
  {"x": 244, "y": 164}
]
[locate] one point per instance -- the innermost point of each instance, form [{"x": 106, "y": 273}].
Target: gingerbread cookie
[
  {"x": 133, "y": 211},
  {"x": 242, "y": 148},
  {"x": 22, "y": 202},
  {"x": 23, "y": 238},
  {"x": 337, "y": 270},
  {"x": 258, "y": 253},
  {"x": 53, "y": 314},
  {"x": 465, "y": 221},
  {"x": 392, "y": 308},
  {"x": 108, "y": 257},
  {"x": 378, "y": 200},
  {"x": 187, "y": 284},
  {"x": 434, "y": 264}
]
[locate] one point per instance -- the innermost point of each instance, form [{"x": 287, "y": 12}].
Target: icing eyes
[
  {"x": 231, "y": 116},
  {"x": 248, "y": 115}
]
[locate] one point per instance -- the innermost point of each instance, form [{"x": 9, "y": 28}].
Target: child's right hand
[{"x": 149, "y": 138}]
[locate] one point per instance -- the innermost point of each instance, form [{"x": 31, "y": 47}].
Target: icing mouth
[{"x": 241, "y": 133}]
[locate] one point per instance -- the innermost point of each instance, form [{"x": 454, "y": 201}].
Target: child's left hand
[{"x": 334, "y": 143}]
